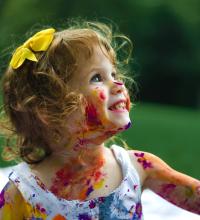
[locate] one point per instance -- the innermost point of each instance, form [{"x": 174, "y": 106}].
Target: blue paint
[
  {"x": 84, "y": 216},
  {"x": 127, "y": 126}
]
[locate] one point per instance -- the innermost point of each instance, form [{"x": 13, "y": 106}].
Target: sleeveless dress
[{"x": 41, "y": 204}]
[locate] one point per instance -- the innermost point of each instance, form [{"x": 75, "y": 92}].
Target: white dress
[{"x": 123, "y": 203}]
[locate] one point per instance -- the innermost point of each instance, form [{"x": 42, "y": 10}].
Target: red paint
[
  {"x": 40, "y": 208},
  {"x": 97, "y": 175},
  {"x": 102, "y": 95},
  {"x": 81, "y": 181},
  {"x": 91, "y": 115}
]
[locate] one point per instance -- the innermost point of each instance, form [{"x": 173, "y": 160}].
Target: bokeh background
[{"x": 166, "y": 65}]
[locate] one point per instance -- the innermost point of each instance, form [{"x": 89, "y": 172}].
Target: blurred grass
[{"x": 171, "y": 133}]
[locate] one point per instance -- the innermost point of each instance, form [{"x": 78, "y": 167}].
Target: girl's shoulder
[{"x": 143, "y": 163}]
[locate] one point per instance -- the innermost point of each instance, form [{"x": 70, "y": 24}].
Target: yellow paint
[
  {"x": 30, "y": 211},
  {"x": 99, "y": 184},
  {"x": 7, "y": 212}
]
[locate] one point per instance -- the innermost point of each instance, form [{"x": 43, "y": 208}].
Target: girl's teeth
[{"x": 119, "y": 106}]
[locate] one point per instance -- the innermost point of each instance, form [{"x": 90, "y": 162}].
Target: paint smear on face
[
  {"x": 127, "y": 126},
  {"x": 91, "y": 115},
  {"x": 102, "y": 96}
]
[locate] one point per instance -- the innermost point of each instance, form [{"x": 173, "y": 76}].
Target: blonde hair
[{"x": 36, "y": 95}]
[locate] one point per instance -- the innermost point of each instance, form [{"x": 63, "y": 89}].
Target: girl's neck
[{"x": 84, "y": 156}]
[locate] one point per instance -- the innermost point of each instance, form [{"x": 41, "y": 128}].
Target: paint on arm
[{"x": 175, "y": 187}]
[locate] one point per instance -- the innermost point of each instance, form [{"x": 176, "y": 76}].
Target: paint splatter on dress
[{"x": 123, "y": 203}]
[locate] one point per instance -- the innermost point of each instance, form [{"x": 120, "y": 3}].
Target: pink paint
[
  {"x": 102, "y": 96},
  {"x": 2, "y": 199},
  {"x": 101, "y": 199},
  {"x": 168, "y": 188},
  {"x": 138, "y": 210},
  {"x": 143, "y": 161},
  {"x": 40, "y": 208},
  {"x": 92, "y": 204}
]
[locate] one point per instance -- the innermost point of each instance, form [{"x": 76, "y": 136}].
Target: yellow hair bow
[{"x": 39, "y": 42}]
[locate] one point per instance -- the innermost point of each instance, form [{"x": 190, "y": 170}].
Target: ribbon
[{"x": 38, "y": 42}]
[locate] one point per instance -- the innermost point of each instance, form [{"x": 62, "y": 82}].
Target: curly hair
[{"x": 37, "y": 95}]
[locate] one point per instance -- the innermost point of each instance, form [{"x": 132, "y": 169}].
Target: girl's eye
[
  {"x": 96, "y": 78},
  {"x": 114, "y": 75}
]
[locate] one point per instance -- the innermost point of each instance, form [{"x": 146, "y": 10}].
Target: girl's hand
[{"x": 175, "y": 187}]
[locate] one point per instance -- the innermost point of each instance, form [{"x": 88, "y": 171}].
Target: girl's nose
[{"x": 117, "y": 87}]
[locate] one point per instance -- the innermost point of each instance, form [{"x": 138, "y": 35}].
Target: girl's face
[{"x": 107, "y": 100}]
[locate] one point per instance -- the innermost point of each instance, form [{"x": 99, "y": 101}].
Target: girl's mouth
[{"x": 119, "y": 106}]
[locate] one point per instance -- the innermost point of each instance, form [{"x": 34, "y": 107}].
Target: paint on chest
[{"x": 82, "y": 182}]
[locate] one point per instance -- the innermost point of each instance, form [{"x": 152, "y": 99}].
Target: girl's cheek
[
  {"x": 99, "y": 94},
  {"x": 92, "y": 115},
  {"x": 102, "y": 96}
]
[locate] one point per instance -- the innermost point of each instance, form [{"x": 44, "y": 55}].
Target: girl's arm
[
  {"x": 175, "y": 187},
  {"x": 12, "y": 205}
]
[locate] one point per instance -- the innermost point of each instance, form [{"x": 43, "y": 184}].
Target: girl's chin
[
  {"x": 121, "y": 120},
  {"x": 119, "y": 125}
]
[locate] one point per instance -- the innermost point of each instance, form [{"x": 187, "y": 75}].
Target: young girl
[{"x": 64, "y": 95}]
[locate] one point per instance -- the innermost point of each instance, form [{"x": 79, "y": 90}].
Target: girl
[{"x": 64, "y": 95}]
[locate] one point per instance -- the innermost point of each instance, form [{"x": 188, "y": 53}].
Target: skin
[
  {"x": 175, "y": 187},
  {"x": 81, "y": 167}
]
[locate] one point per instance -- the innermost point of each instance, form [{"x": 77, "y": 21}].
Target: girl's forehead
[{"x": 98, "y": 59}]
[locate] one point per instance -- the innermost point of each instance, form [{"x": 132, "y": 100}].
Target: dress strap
[{"x": 124, "y": 160}]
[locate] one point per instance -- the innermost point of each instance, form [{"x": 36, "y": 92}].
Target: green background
[{"x": 166, "y": 55}]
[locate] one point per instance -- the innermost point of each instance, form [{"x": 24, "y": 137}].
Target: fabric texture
[{"x": 123, "y": 203}]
